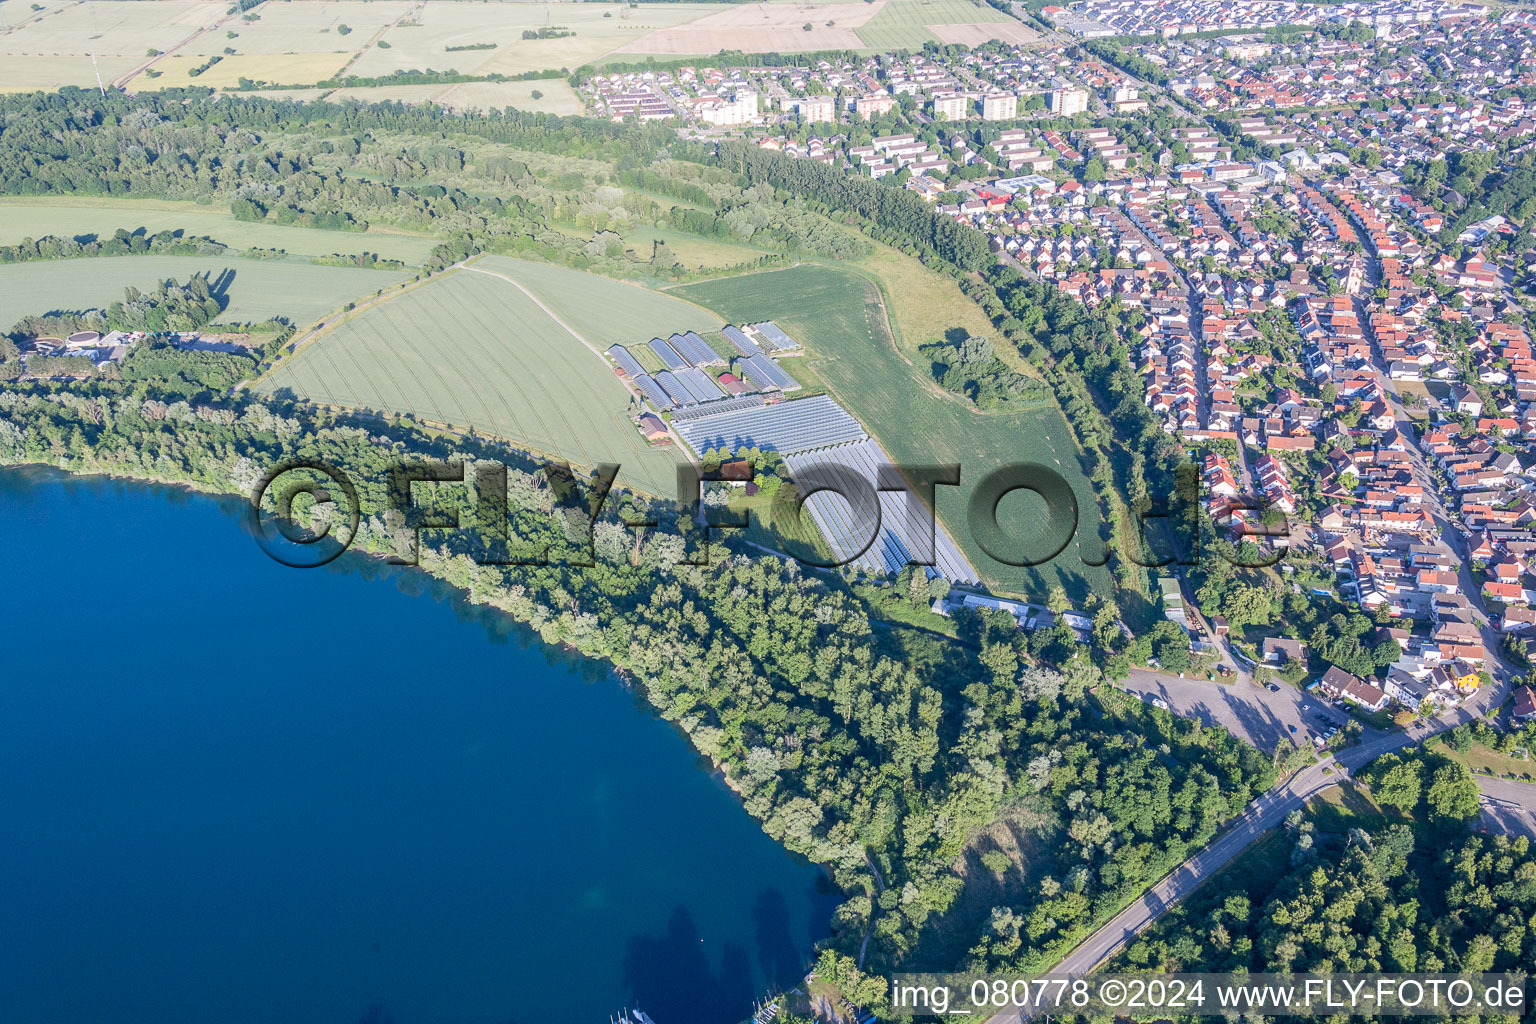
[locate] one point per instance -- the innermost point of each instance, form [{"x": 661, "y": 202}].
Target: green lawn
[
  {"x": 470, "y": 349},
  {"x": 258, "y": 289},
  {"x": 73, "y": 217},
  {"x": 1485, "y": 760},
  {"x": 837, "y": 315}
]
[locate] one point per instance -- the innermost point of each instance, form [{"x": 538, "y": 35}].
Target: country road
[{"x": 1263, "y": 814}]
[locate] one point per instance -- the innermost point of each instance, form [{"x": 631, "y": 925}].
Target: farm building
[
  {"x": 652, "y": 428},
  {"x": 787, "y": 427},
  {"x": 735, "y": 403},
  {"x": 695, "y": 349},
  {"x": 699, "y": 384},
  {"x": 734, "y": 384},
  {"x": 740, "y": 342},
  {"x": 626, "y": 362},
  {"x": 667, "y": 354},
  {"x": 766, "y": 373},
  {"x": 774, "y": 335},
  {"x": 904, "y": 532},
  {"x": 653, "y": 391},
  {"x": 675, "y": 389}
]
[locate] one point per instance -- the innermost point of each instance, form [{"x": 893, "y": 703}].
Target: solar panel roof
[
  {"x": 743, "y": 344},
  {"x": 674, "y": 388},
  {"x": 694, "y": 349}
]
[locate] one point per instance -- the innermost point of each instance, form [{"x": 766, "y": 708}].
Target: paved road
[{"x": 1263, "y": 814}]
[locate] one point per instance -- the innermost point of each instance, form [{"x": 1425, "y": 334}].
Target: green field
[
  {"x": 74, "y": 217},
  {"x": 258, "y": 290},
  {"x": 838, "y": 316},
  {"x": 604, "y": 311},
  {"x": 470, "y": 349},
  {"x": 902, "y": 24},
  {"x": 692, "y": 251}
]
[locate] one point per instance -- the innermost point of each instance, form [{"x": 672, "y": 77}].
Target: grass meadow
[
  {"x": 258, "y": 289},
  {"x": 471, "y": 349},
  {"x": 837, "y": 314},
  {"x": 77, "y": 216}
]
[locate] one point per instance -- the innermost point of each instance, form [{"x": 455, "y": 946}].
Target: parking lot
[
  {"x": 1509, "y": 806},
  {"x": 1260, "y": 715}
]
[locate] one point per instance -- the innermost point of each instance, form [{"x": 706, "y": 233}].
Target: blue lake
[{"x": 237, "y": 792}]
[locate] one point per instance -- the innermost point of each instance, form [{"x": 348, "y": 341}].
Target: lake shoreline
[
  {"x": 620, "y": 673},
  {"x": 367, "y": 784}
]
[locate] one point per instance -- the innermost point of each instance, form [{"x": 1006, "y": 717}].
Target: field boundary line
[
  {"x": 357, "y": 55},
  {"x": 573, "y": 332},
  {"x": 667, "y": 291},
  {"x": 44, "y": 16},
  {"x": 329, "y": 323},
  {"x": 121, "y": 82},
  {"x": 677, "y": 439}
]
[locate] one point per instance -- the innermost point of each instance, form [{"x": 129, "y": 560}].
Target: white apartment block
[
  {"x": 1002, "y": 106},
  {"x": 741, "y": 110},
  {"x": 952, "y": 107},
  {"x": 1066, "y": 102}
]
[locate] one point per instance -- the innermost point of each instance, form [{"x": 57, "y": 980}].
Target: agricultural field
[
  {"x": 908, "y": 24},
  {"x": 17, "y": 15},
  {"x": 977, "y": 33},
  {"x": 924, "y": 304},
  {"x": 49, "y": 72},
  {"x": 77, "y": 216},
  {"x": 763, "y": 28},
  {"x": 302, "y": 27},
  {"x": 554, "y": 96},
  {"x": 301, "y": 68},
  {"x": 838, "y": 315},
  {"x": 604, "y": 311},
  {"x": 471, "y": 349},
  {"x": 598, "y": 29},
  {"x": 257, "y": 289},
  {"x": 387, "y": 93},
  {"x": 109, "y": 28}
]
